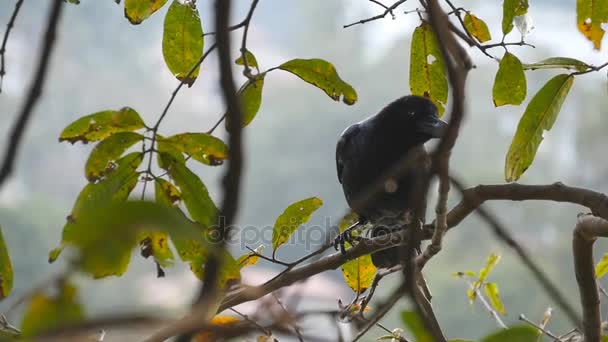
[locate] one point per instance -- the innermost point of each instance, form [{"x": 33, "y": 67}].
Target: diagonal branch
[
  {"x": 9, "y": 26},
  {"x": 34, "y": 93}
]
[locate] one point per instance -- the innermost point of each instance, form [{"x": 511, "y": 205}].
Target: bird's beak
[{"x": 433, "y": 127}]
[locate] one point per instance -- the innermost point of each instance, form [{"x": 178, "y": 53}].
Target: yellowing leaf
[
  {"x": 477, "y": 28},
  {"x": 229, "y": 271},
  {"x": 194, "y": 194},
  {"x": 6, "y": 269},
  {"x": 156, "y": 244},
  {"x": 183, "y": 40},
  {"x": 472, "y": 295},
  {"x": 466, "y": 273},
  {"x": 45, "y": 313},
  {"x": 491, "y": 290},
  {"x": 510, "y": 83},
  {"x": 139, "y": 10},
  {"x": 101, "y": 125},
  {"x": 590, "y": 15},
  {"x": 510, "y": 10},
  {"x": 251, "y": 61},
  {"x": 538, "y": 117},
  {"x": 219, "y": 320},
  {"x": 166, "y": 193},
  {"x": 348, "y": 220},
  {"x": 107, "y": 151},
  {"x": 416, "y": 326},
  {"x": 558, "y": 62},
  {"x": 602, "y": 267},
  {"x": 250, "y": 95},
  {"x": 522, "y": 333},
  {"x": 493, "y": 259},
  {"x": 295, "y": 215},
  {"x": 203, "y": 147},
  {"x": 250, "y": 259},
  {"x": 427, "y": 68},
  {"x": 359, "y": 273},
  {"x": 323, "y": 75}
]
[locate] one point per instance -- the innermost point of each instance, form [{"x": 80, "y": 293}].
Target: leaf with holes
[
  {"x": 590, "y": 15},
  {"x": 45, "y": 313},
  {"x": 558, "y": 63},
  {"x": 477, "y": 28},
  {"x": 539, "y": 116},
  {"x": 292, "y": 217},
  {"x": 203, "y": 147},
  {"x": 183, "y": 41},
  {"x": 427, "y": 68},
  {"x": 510, "y": 83},
  {"x": 6, "y": 269},
  {"x": 194, "y": 194},
  {"x": 322, "y": 75},
  {"x": 137, "y": 11},
  {"x": 101, "y": 125},
  {"x": 510, "y": 10},
  {"x": 102, "y": 158}
]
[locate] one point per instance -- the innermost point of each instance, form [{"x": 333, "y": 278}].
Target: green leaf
[
  {"x": 322, "y": 75},
  {"x": 590, "y": 15},
  {"x": 101, "y": 125},
  {"x": 251, "y": 61},
  {"x": 491, "y": 290},
  {"x": 427, "y": 68},
  {"x": 107, "y": 235},
  {"x": 460, "y": 340},
  {"x": 348, "y": 220},
  {"x": 522, "y": 333},
  {"x": 229, "y": 271},
  {"x": 538, "y": 117},
  {"x": 493, "y": 259},
  {"x": 510, "y": 10},
  {"x": 183, "y": 41},
  {"x": 45, "y": 313},
  {"x": 251, "y": 99},
  {"x": 558, "y": 62},
  {"x": 294, "y": 215},
  {"x": 477, "y": 28},
  {"x": 6, "y": 269},
  {"x": 194, "y": 194},
  {"x": 168, "y": 154},
  {"x": 510, "y": 83},
  {"x": 416, "y": 326},
  {"x": 166, "y": 193},
  {"x": 106, "y": 152},
  {"x": 602, "y": 267},
  {"x": 115, "y": 187},
  {"x": 203, "y": 147},
  {"x": 139, "y": 10}
]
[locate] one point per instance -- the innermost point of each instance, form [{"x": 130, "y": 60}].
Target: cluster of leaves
[
  {"x": 427, "y": 75},
  {"x": 477, "y": 281}
]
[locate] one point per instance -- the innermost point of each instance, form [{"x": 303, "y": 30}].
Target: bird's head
[{"x": 415, "y": 117}]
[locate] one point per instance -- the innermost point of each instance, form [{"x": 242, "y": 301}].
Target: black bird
[{"x": 368, "y": 149}]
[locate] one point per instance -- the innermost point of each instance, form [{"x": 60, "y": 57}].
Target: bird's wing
[{"x": 343, "y": 144}]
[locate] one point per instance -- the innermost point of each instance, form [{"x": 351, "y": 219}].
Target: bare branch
[
  {"x": 379, "y": 16},
  {"x": 588, "y": 229},
  {"x": 34, "y": 93},
  {"x": 9, "y": 26}
]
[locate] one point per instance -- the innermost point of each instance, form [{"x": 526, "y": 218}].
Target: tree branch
[
  {"x": 9, "y": 26},
  {"x": 588, "y": 229},
  {"x": 34, "y": 93}
]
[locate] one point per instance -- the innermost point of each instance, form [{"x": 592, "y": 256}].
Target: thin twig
[
  {"x": 487, "y": 306},
  {"x": 9, "y": 26},
  {"x": 382, "y": 310},
  {"x": 156, "y": 126},
  {"x": 246, "y": 70},
  {"x": 289, "y": 318},
  {"x": 379, "y": 16},
  {"x": 34, "y": 93},
  {"x": 540, "y": 328}
]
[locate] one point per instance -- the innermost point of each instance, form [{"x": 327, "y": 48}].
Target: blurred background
[{"x": 103, "y": 62}]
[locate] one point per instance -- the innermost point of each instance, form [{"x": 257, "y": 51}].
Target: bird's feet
[{"x": 346, "y": 237}]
